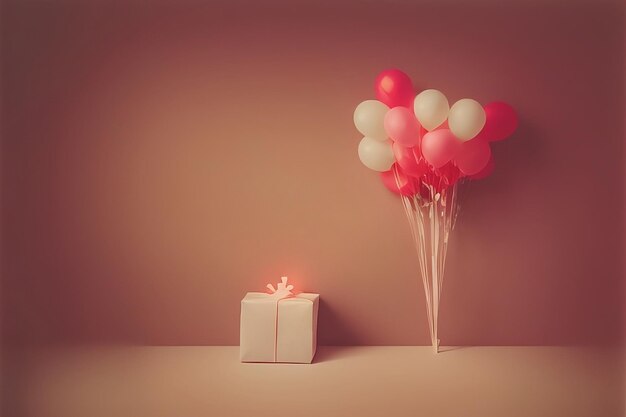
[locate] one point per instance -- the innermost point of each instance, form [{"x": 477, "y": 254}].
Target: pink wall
[{"x": 161, "y": 160}]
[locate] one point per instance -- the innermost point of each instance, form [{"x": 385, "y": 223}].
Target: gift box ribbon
[{"x": 280, "y": 293}]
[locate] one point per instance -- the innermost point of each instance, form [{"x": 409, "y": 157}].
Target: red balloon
[
  {"x": 410, "y": 160},
  {"x": 501, "y": 121},
  {"x": 473, "y": 156},
  {"x": 408, "y": 186},
  {"x": 486, "y": 171},
  {"x": 449, "y": 174},
  {"x": 424, "y": 192},
  {"x": 394, "y": 88}
]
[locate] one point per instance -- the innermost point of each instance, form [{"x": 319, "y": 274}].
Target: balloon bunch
[
  {"x": 423, "y": 147},
  {"x": 425, "y": 141}
]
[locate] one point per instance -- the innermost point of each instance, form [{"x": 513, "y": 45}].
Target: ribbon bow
[{"x": 283, "y": 290}]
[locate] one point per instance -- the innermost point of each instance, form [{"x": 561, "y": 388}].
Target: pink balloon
[
  {"x": 439, "y": 147},
  {"x": 394, "y": 88},
  {"x": 473, "y": 156},
  {"x": 501, "y": 121},
  {"x": 408, "y": 185},
  {"x": 486, "y": 171},
  {"x": 410, "y": 160},
  {"x": 402, "y": 126}
]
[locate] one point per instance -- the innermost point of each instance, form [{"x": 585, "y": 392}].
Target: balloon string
[
  {"x": 442, "y": 231},
  {"x": 451, "y": 212},
  {"x": 411, "y": 209},
  {"x": 419, "y": 221},
  {"x": 424, "y": 264},
  {"x": 431, "y": 243},
  {"x": 434, "y": 241}
]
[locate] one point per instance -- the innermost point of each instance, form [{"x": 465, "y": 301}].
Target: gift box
[{"x": 279, "y": 326}]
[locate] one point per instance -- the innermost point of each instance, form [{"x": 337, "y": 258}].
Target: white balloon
[
  {"x": 466, "y": 119},
  {"x": 369, "y": 119},
  {"x": 375, "y": 154},
  {"x": 431, "y": 108}
]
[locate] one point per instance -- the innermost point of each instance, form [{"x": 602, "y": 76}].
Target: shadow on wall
[{"x": 333, "y": 329}]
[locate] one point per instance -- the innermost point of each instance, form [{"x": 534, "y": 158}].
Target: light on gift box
[{"x": 279, "y": 326}]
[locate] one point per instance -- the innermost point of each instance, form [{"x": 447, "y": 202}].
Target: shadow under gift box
[{"x": 278, "y": 330}]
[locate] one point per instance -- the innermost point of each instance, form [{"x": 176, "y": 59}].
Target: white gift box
[{"x": 278, "y": 327}]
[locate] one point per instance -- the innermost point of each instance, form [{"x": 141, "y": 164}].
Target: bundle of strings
[{"x": 431, "y": 217}]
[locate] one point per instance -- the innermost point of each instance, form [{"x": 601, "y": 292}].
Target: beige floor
[{"x": 347, "y": 381}]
